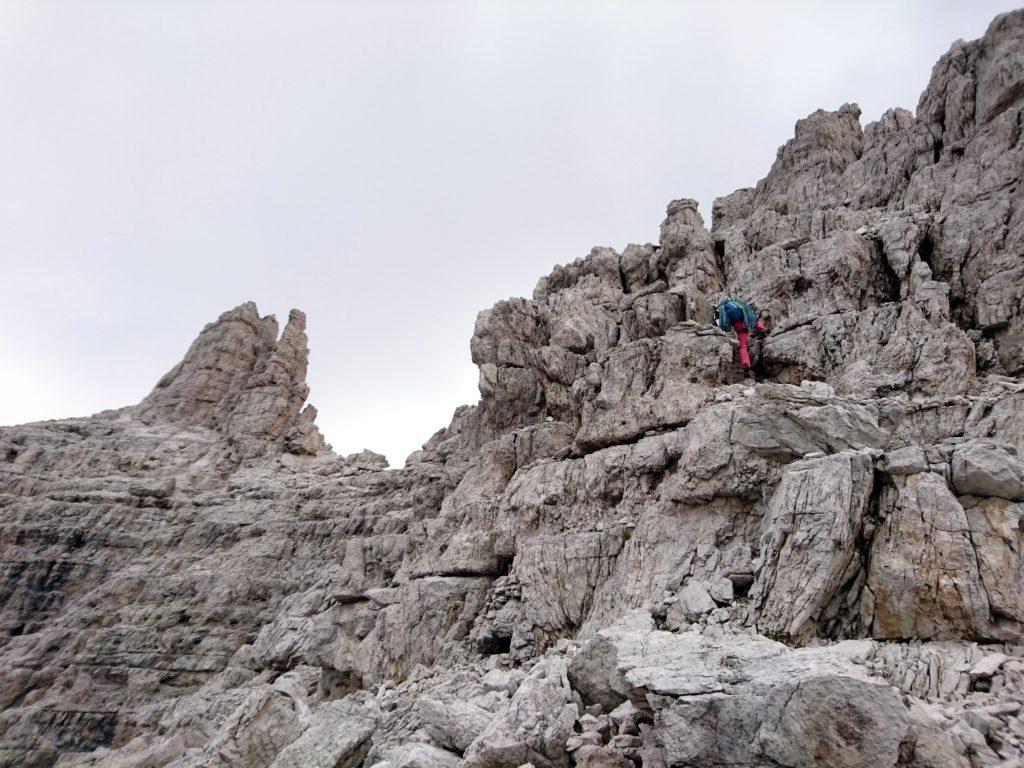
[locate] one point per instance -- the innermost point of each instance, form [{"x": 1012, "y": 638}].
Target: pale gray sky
[{"x": 390, "y": 168}]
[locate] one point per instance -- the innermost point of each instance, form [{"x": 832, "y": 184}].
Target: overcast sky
[{"x": 390, "y": 168}]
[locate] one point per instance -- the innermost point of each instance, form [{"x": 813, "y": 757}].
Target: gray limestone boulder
[
  {"x": 810, "y": 541},
  {"x": 421, "y": 755},
  {"x": 534, "y": 728},
  {"x": 924, "y": 578},
  {"x": 988, "y": 468},
  {"x": 693, "y": 601},
  {"x": 452, "y": 724},
  {"x": 594, "y": 674},
  {"x": 338, "y": 736},
  {"x": 749, "y": 700}
]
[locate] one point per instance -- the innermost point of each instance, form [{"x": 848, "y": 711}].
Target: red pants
[{"x": 741, "y": 336}]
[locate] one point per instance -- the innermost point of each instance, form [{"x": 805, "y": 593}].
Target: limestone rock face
[
  {"x": 816, "y": 517},
  {"x": 240, "y": 379},
  {"x": 627, "y": 553}
]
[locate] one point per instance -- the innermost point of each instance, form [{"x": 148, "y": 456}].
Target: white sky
[{"x": 390, "y": 168}]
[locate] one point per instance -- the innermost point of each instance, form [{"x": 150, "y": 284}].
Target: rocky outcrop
[
  {"x": 742, "y": 700},
  {"x": 626, "y": 553},
  {"x": 238, "y": 378}
]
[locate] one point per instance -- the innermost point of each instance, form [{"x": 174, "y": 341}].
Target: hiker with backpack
[{"x": 737, "y": 315}]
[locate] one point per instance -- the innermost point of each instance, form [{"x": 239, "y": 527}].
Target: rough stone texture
[
  {"x": 535, "y": 726},
  {"x": 987, "y": 468},
  {"x": 748, "y": 700},
  {"x": 626, "y": 553},
  {"x": 812, "y": 527},
  {"x": 239, "y": 378},
  {"x": 924, "y": 576}
]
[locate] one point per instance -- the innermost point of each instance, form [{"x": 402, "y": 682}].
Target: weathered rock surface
[
  {"x": 749, "y": 700},
  {"x": 240, "y": 379},
  {"x": 625, "y": 553}
]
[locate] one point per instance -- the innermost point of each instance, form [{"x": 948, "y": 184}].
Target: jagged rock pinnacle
[{"x": 240, "y": 379}]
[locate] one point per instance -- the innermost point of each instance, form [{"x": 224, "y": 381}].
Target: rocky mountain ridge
[{"x": 626, "y": 553}]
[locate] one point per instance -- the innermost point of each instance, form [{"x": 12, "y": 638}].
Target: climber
[{"x": 737, "y": 315}]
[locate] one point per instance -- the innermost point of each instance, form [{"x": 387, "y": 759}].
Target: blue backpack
[{"x": 730, "y": 311}]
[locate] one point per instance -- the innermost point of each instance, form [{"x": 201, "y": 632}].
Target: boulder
[
  {"x": 746, "y": 700},
  {"x": 452, "y": 724},
  {"x": 988, "y": 468},
  {"x": 534, "y": 728}
]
